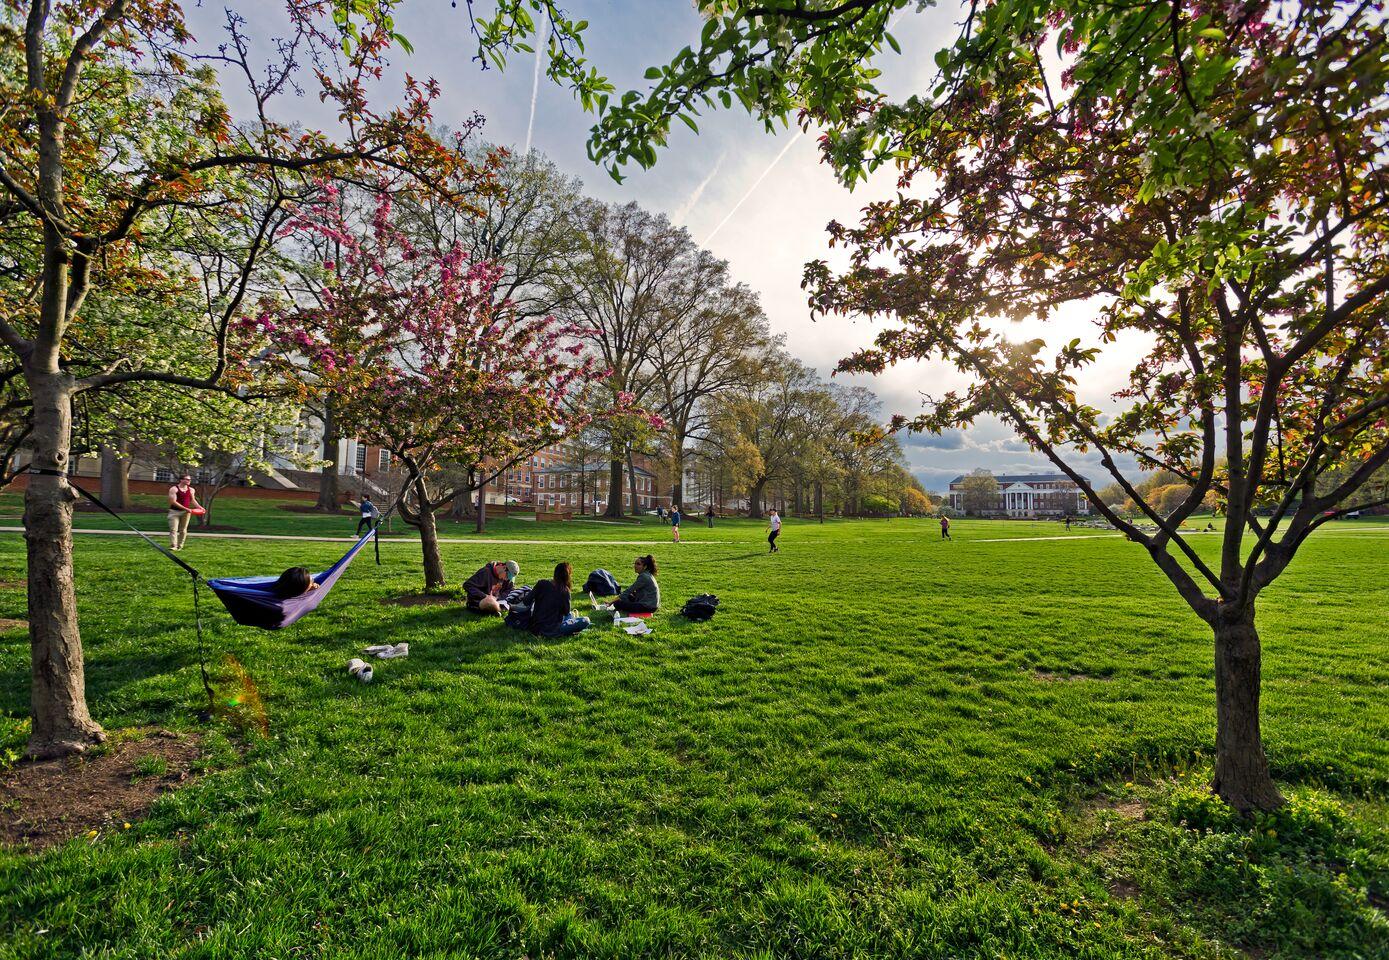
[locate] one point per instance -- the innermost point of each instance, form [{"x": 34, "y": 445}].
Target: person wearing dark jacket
[
  {"x": 644, "y": 595},
  {"x": 486, "y": 588},
  {"x": 550, "y": 614}
]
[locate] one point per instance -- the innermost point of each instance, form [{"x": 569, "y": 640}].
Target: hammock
[{"x": 252, "y": 602}]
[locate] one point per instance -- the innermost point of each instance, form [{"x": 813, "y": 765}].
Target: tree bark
[
  {"x": 115, "y": 474},
  {"x": 1242, "y": 777},
  {"x": 632, "y": 484},
  {"x": 677, "y": 462},
  {"x": 61, "y": 722},
  {"x": 481, "y": 525},
  {"x": 614, "y": 507},
  {"x": 328, "y": 487},
  {"x": 820, "y": 500},
  {"x": 429, "y": 541},
  {"x": 755, "y": 500}
]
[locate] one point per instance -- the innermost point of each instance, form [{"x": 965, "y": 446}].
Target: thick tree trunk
[
  {"x": 1241, "y": 769},
  {"x": 61, "y": 723},
  {"x": 755, "y": 500},
  {"x": 115, "y": 474},
  {"x": 481, "y": 525},
  {"x": 677, "y": 465},
  {"x": 429, "y": 541},
  {"x": 795, "y": 496},
  {"x": 462, "y": 508},
  {"x": 614, "y": 507},
  {"x": 820, "y": 500},
  {"x": 632, "y": 485},
  {"x": 328, "y": 487}
]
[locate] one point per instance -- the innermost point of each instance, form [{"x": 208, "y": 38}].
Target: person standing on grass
[
  {"x": 944, "y": 527},
  {"x": 644, "y": 595},
  {"x": 183, "y": 503},
  {"x": 1068, "y": 521},
  {"x": 486, "y": 588},
  {"x": 675, "y": 524},
  {"x": 774, "y": 531},
  {"x": 369, "y": 514},
  {"x": 709, "y": 515}
]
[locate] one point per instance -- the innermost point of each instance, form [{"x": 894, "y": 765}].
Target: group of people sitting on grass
[{"x": 550, "y": 612}]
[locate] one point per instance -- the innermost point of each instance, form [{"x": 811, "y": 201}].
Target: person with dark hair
[
  {"x": 183, "y": 506},
  {"x": 644, "y": 595},
  {"x": 709, "y": 516},
  {"x": 369, "y": 514},
  {"x": 294, "y": 582},
  {"x": 773, "y": 531},
  {"x": 550, "y": 612},
  {"x": 944, "y": 527},
  {"x": 486, "y": 588},
  {"x": 675, "y": 523}
]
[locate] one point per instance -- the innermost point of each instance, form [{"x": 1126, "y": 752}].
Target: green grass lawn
[{"x": 883, "y": 746}]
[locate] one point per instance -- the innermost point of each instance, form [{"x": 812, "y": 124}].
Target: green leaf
[{"x": 652, "y": 73}]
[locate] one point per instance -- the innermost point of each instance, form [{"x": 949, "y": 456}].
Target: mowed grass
[{"x": 883, "y": 746}]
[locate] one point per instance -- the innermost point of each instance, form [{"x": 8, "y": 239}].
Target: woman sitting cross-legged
[
  {"x": 644, "y": 595},
  {"x": 550, "y": 616}
]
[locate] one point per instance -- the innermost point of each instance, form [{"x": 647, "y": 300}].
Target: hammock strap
[{"x": 202, "y": 649}]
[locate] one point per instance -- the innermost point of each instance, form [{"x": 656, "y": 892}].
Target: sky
[{"x": 761, "y": 201}]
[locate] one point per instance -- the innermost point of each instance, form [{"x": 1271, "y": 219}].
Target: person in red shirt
[{"x": 183, "y": 503}]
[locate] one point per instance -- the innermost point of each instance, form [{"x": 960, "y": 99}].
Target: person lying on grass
[
  {"x": 485, "y": 588},
  {"x": 550, "y": 615},
  {"x": 294, "y": 582},
  {"x": 644, "y": 595}
]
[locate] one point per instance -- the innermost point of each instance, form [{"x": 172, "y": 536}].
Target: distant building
[
  {"x": 570, "y": 487},
  {"x": 1028, "y": 495}
]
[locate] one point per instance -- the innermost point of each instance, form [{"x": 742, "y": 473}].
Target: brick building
[{"x": 1028, "y": 495}]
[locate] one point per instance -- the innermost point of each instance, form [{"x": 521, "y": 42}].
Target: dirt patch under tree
[
  {"x": 423, "y": 600},
  {"x": 48, "y": 802}
]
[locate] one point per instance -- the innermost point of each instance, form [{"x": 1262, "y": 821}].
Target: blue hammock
[{"x": 252, "y": 602}]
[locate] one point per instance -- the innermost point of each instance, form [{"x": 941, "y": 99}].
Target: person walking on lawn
[
  {"x": 944, "y": 527},
  {"x": 675, "y": 524},
  {"x": 183, "y": 503},
  {"x": 774, "y": 531},
  {"x": 709, "y": 515},
  {"x": 369, "y": 514}
]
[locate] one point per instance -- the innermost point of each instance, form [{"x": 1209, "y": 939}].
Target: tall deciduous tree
[
  {"x": 112, "y": 145},
  {"x": 1209, "y": 177}
]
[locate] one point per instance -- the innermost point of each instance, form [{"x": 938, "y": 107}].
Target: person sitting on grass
[
  {"x": 294, "y": 582},
  {"x": 644, "y": 595},
  {"x": 486, "y": 588},
  {"x": 550, "y": 613}
]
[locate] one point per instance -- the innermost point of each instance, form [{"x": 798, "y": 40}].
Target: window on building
[
  {"x": 361, "y": 458},
  {"x": 383, "y": 460}
]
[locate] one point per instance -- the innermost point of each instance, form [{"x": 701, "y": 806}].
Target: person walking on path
[
  {"x": 369, "y": 514},
  {"x": 183, "y": 503},
  {"x": 944, "y": 527},
  {"x": 709, "y": 515},
  {"x": 675, "y": 524},
  {"x": 774, "y": 525}
]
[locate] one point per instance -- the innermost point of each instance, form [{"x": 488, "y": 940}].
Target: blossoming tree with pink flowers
[{"x": 424, "y": 360}]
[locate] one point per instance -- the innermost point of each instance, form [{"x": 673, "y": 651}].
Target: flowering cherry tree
[{"x": 424, "y": 360}]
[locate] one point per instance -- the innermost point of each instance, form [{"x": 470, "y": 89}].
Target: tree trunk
[
  {"x": 462, "y": 508},
  {"x": 1241, "y": 769},
  {"x": 328, "y": 488},
  {"x": 115, "y": 474},
  {"x": 795, "y": 496},
  {"x": 429, "y": 541},
  {"x": 61, "y": 723},
  {"x": 632, "y": 485},
  {"x": 614, "y": 507},
  {"x": 755, "y": 500},
  {"x": 820, "y": 500},
  {"x": 481, "y": 525},
  {"x": 677, "y": 465}
]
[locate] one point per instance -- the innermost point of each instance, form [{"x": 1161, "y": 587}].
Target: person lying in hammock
[
  {"x": 486, "y": 588},
  {"x": 644, "y": 595},
  {"x": 294, "y": 582}
]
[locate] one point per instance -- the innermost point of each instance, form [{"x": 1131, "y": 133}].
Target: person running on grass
[
  {"x": 369, "y": 514},
  {"x": 944, "y": 527},
  {"x": 644, "y": 595},
  {"x": 550, "y": 612},
  {"x": 774, "y": 531},
  {"x": 486, "y": 588},
  {"x": 183, "y": 503},
  {"x": 675, "y": 524}
]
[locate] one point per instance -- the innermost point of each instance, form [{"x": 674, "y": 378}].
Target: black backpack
[
  {"x": 600, "y": 583},
  {"x": 701, "y": 607}
]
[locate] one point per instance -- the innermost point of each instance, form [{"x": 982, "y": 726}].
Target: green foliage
[{"x": 876, "y": 503}]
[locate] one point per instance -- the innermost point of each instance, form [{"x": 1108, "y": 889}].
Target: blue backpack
[{"x": 600, "y": 583}]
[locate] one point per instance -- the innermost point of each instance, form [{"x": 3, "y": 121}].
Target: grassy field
[{"x": 883, "y": 746}]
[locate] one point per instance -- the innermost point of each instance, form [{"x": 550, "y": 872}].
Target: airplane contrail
[
  {"x": 752, "y": 189},
  {"x": 541, "y": 49},
  {"x": 684, "y": 209}
]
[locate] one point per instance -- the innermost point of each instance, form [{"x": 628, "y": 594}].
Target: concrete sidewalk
[{"x": 159, "y": 534}]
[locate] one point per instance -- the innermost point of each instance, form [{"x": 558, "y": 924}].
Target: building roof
[{"x": 1005, "y": 479}]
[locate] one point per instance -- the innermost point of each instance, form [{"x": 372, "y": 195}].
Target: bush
[{"x": 876, "y": 503}]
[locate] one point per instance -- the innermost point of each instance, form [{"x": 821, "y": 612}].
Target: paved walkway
[{"x": 158, "y": 534}]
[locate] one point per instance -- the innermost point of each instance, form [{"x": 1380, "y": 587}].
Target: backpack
[
  {"x": 519, "y": 617},
  {"x": 700, "y": 608},
  {"x": 600, "y": 583},
  {"x": 518, "y": 596}
]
